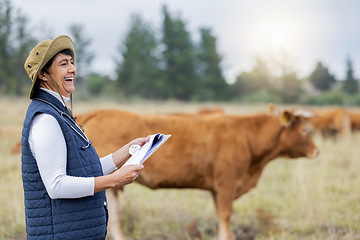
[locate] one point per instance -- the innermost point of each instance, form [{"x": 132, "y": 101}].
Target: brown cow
[
  {"x": 203, "y": 111},
  {"x": 331, "y": 122},
  {"x": 222, "y": 154},
  {"x": 354, "y": 120}
]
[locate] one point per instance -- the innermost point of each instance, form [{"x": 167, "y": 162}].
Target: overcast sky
[{"x": 308, "y": 30}]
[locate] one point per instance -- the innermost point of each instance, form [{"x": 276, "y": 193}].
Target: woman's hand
[
  {"x": 119, "y": 178},
  {"x": 126, "y": 174},
  {"x": 138, "y": 141},
  {"x": 123, "y": 153}
]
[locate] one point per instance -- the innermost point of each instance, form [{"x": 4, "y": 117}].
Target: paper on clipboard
[{"x": 142, "y": 154}]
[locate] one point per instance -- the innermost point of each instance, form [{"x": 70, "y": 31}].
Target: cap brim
[{"x": 57, "y": 45}]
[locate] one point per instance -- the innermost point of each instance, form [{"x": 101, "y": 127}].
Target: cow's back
[{"x": 194, "y": 144}]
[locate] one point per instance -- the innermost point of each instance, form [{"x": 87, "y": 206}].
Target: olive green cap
[{"x": 42, "y": 53}]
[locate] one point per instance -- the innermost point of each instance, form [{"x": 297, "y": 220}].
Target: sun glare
[
  {"x": 276, "y": 33},
  {"x": 279, "y": 37}
]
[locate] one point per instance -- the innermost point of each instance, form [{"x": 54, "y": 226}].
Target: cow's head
[{"x": 295, "y": 139}]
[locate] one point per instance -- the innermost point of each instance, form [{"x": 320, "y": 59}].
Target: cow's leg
[
  {"x": 223, "y": 204},
  {"x": 114, "y": 213}
]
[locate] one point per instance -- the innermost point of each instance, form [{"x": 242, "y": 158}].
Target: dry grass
[{"x": 294, "y": 199}]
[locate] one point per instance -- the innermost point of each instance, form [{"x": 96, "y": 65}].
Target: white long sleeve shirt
[{"x": 47, "y": 144}]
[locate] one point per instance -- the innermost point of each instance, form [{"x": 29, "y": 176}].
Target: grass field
[{"x": 294, "y": 199}]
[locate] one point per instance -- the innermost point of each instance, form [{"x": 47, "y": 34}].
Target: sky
[{"x": 308, "y": 31}]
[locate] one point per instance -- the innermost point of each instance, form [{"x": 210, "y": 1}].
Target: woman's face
[{"x": 63, "y": 71}]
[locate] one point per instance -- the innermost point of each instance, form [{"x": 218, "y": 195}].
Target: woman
[{"x": 63, "y": 178}]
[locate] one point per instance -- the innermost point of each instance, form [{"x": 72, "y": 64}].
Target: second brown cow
[{"x": 219, "y": 153}]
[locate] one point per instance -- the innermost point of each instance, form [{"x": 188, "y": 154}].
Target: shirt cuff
[{"x": 108, "y": 164}]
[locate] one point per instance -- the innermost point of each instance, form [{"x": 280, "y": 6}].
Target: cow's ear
[
  {"x": 273, "y": 109},
  {"x": 285, "y": 118}
]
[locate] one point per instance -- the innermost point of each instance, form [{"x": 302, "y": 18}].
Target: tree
[
  {"x": 83, "y": 57},
  {"x": 178, "y": 58},
  {"x": 96, "y": 83},
  {"x": 350, "y": 85},
  {"x": 23, "y": 43},
  {"x": 321, "y": 79},
  {"x": 6, "y": 59},
  {"x": 138, "y": 73},
  {"x": 15, "y": 44},
  {"x": 212, "y": 84},
  {"x": 250, "y": 82},
  {"x": 290, "y": 88}
]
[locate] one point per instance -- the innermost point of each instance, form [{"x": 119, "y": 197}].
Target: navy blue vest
[{"x": 46, "y": 218}]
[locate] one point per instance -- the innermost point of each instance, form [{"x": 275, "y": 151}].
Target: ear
[
  {"x": 42, "y": 76},
  {"x": 286, "y": 118},
  {"x": 273, "y": 109}
]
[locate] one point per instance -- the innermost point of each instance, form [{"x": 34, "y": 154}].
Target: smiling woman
[
  {"x": 61, "y": 170},
  {"x": 61, "y": 70}
]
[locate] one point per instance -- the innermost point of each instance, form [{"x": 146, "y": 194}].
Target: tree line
[{"x": 169, "y": 64}]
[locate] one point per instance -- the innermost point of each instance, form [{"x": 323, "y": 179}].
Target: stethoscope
[{"x": 66, "y": 116}]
